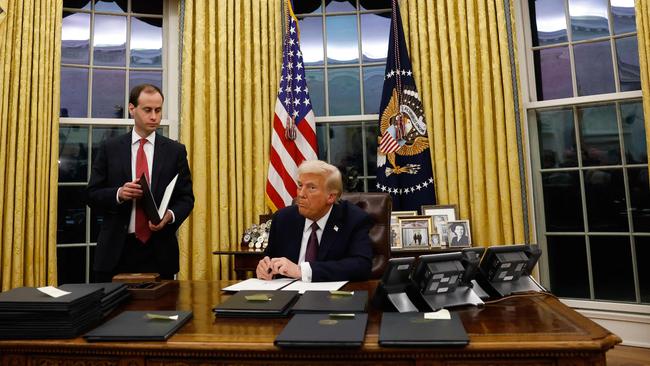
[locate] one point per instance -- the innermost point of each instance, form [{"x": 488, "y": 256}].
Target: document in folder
[{"x": 152, "y": 210}]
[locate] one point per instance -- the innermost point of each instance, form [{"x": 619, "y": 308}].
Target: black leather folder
[
  {"x": 115, "y": 293},
  {"x": 136, "y": 326},
  {"x": 323, "y": 330},
  {"x": 325, "y": 302},
  {"x": 31, "y": 299},
  {"x": 238, "y": 306},
  {"x": 412, "y": 329}
]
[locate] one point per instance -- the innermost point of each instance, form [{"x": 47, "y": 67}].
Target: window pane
[
  {"x": 634, "y": 133},
  {"x": 550, "y": 22},
  {"x": 101, "y": 134},
  {"x": 342, "y": 41},
  {"x": 553, "y": 73},
  {"x": 599, "y": 135},
  {"x": 375, "y": 30},
  {"x": 112, "y": 6},
  {"x": 77, "y": 4},
  {"x": 74, "y": 92},
  {"x": 567, "y": 266},
  {"x": 75, "y": 38},
  {"x": 606, "y": 203},
  {"x": 344, "y": 94},
  {"x": 345, "y": 151},
  {"x": 316, "y": 86},
  {"x": 588, "y": 19},
  {"x": 71, "y": 226},
  {"x": 642, "y": 244},
  {"x": 71, "y": 265},
  {"x": 147, "y": 7},
  {"x": 594, "y": 77},
  {"x": 611, "y": 266},
  {"x": 321, "y": 133},
  {"x": 623, "y": 16},
  {"x": 146, "y": 42},
  {"x": 373, "y": 84},
  {"x": 108, "y": 93},
  {"x": 562, "y": 201},
  {"x": 73, "y": 154},
  {"x": 311, "y": 40},
  {"x": 639, "y": 199},
  {"x": 141, "y": 77},
  {"x": 110, "y": 40},
  {"x": 372, "y": 132},
  {"x": 557, "y": 141},
  {"x": 627, "y": 55},
  {"x": 372, "y": 184},
  {"x": 340, "y": 5}
]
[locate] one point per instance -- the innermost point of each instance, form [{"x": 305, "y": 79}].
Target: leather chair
[{"x": 378, "y": 206}]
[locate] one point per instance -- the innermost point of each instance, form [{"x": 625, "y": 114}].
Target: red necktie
[
  {"x": 142, "y": 231},
  {"x": 311, "y": 253}
]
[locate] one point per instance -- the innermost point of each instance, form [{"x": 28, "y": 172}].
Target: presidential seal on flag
[{"x": 402, "y": 130}]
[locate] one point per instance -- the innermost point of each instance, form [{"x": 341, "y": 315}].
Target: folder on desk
[
  {"x": 153, "y": 211},
  {"x": 257, "y": 304},
  {"x": 323, "y": 330},
  {"x": 412, "y": 329},
  {"x": 328, "y": 302},
  {"x": 140, "y": 326}
]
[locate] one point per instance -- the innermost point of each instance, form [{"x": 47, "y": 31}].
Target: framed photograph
[
  {"x": 416, "y": 231},
  {"x": 395, "y": 231},
  {"x": 440, "y": 215},
  {"x": 459, "y": 233},
  {"x": 435, "y": 241}
]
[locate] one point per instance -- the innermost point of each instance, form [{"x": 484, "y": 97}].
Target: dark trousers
[{"x": 136, "y": 258}]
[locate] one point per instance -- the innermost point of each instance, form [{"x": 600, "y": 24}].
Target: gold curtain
[
  {"x": 230, "y": 64},
  {"x": 30, "y": 53},
  {"x": 459, "y": 50},
  {"x": 3, "y": 11},
  {"x": 643, "y": 36}
]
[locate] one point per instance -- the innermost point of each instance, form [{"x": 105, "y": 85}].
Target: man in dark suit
[
  {"x": 336, "y": 248},
  {"x": 128, "y": 241}
]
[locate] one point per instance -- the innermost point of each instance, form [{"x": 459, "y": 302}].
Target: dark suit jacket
[
  {"x": 343, "y": 255},
  {"x": 111, "y": 169}
]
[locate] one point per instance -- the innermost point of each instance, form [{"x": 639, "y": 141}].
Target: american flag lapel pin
[{"x": 336, "y": 228}]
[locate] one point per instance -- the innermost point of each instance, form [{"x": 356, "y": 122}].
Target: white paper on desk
[
  {"x": 255, "y": 284},
  {"x": 301, "y": 286},
  {"x": 52, "y": 291},
  {"x": 440, "y": 314}
]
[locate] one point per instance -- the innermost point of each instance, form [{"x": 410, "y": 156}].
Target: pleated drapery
[
  {"x": 231, "y": 57},
  {"x": 643, "y": 36},
  {"x": 461, "y": 61},
  {"x": 30, "y": 55}
]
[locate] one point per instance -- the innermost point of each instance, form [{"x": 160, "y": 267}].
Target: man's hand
[
  {"x": 286, "y": 267},
  {"x": 264, "y": 270},
  {"x": 129, "y": 191},
  {"x": 165, "y": 220}
]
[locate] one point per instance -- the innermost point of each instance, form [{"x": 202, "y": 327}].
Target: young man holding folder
[{"x": 128, "y": 240}]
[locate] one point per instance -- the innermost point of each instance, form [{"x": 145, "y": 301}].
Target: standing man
[
  {"x": 128, "y": 241},
  {"x": 318, "y": 238}
]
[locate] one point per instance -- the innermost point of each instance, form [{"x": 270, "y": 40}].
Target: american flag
[{"x": 293, "y": 138}]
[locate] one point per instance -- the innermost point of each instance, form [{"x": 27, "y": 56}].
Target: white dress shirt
[{"x": 305, "y": 267}]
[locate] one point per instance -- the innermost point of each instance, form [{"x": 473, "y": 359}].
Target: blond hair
[{"x": 333, "y": 179}]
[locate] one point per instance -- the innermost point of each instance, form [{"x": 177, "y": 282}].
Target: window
[
  {"x": 344, "y": 45},
  {"x": 107, "y": 47},
  {"x": 590, "y": 163}
]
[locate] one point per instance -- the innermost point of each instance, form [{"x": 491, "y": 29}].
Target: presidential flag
[
  {"x": 403, "y": 160},
  {"x": 293, "y": 138}
]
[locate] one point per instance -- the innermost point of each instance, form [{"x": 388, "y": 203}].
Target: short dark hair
[
  {"x": 455, "y": 225},
  {"x": 139, "y": 89}
]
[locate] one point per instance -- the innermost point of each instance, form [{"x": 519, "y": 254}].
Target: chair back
[{"x": 378, "y": 206}]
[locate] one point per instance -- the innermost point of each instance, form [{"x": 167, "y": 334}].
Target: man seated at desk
[{"x": 319, "y": 238}]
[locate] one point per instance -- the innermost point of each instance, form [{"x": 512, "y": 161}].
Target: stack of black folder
[
  {"x": 412, "y": 329},
  {"x": 27, "y": 313},
  {"x": 257, "y": 304},
  {"x": 114, "y": 293},
  {"x": 140, "y": 326}
]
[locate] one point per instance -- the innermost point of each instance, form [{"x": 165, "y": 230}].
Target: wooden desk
[{"x": 530, "y": 330}]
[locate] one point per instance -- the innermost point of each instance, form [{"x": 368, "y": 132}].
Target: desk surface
[{"x": 537, "y": 329}]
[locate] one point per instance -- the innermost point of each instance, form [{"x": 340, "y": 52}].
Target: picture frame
[
  {"x": 440, "y": 215},
  {"x": 415, "y": 231},
  {"x": 435, "y": 241},
  {"x": 395, "y": 231},
  {"x": 459, "y": 238}
]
